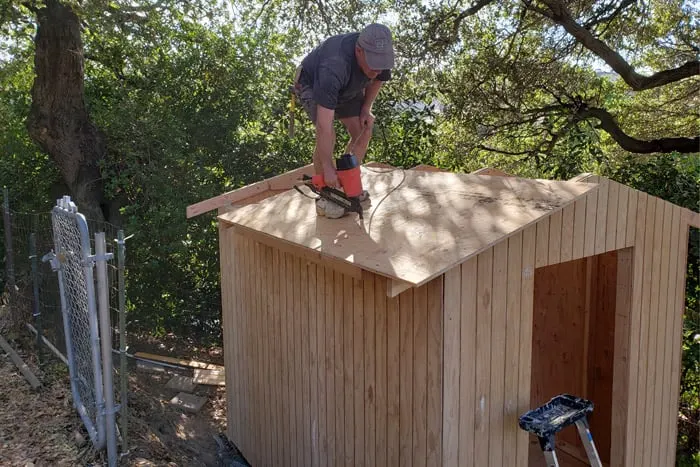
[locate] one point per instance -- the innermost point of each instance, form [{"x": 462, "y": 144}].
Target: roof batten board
[
  {"x": 420, "y": 224},
  {"x": 279, "y": 182}
]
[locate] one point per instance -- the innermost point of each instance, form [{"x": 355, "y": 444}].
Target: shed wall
[
  {"x": 285, "y": 350},
  {"x": 324, "y": 369},
  {"x": 488, "y": 328}
]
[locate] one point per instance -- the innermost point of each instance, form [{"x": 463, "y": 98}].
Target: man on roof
[{"x": 340, "y": 79}]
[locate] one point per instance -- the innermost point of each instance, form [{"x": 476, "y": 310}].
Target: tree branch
[
  {"x": 560, "y": 14},
  {"x": 628, "y": 143},
  {"x": 601, "y": 18},
  {"x": 503, "y": 151}
]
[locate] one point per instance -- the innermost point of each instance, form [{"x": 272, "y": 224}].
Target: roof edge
[{"x": 283, "y": 181}]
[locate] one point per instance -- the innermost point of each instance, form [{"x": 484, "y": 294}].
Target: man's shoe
[
  {"x": 364, "y": 196},
  {"x": 329, "y": 209}
]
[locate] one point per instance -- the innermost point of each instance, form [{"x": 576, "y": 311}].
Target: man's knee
[{"x": 353, "y": 125}]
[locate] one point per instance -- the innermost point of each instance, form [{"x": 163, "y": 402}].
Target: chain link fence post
[
  {"x": 35, "y": 288},
  {"x": 9, "y": 258},
  {"x": 101, "y": 258},
  {"x": 123, "y": 370}
]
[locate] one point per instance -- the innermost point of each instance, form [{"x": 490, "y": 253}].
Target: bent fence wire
[{"x": 35, "y": 302}]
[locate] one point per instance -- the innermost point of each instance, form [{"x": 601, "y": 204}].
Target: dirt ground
[{"x": 41, "y": 428}]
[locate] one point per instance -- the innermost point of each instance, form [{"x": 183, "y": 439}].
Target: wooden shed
[{"x": 420, "y": 334}]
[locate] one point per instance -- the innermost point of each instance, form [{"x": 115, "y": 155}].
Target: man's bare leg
[{"x": 359, "y": 140}]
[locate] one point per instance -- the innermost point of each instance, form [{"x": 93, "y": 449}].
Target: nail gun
[{"x": 348, "y": 171}]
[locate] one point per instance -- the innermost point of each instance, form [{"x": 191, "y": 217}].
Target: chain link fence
[{"x": 52, "y": 251}]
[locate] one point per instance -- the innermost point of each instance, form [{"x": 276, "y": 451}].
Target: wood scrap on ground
[
  {"x": 19, "y": 363},
  {"x": 178, "y": 361},
  {"x": 210, "y": 377}
]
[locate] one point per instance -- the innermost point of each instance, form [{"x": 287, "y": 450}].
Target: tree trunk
[{"x": 58, "y": 120}]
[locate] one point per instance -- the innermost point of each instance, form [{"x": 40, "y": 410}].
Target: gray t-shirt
[{"x": 332, "y": 71}]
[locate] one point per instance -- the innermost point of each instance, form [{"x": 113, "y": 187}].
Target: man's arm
[{"x": 325, "y": 142}]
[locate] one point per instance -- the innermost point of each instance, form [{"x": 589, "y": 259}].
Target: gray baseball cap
[{"x": 375, "y": 40}]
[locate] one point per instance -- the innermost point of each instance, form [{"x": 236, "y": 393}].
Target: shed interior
[{"x": 573, "y": 347}]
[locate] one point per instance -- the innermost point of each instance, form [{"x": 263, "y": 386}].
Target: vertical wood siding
[
  {"x": 489, "y": 308},
  {"x": 324, "y": 370}
]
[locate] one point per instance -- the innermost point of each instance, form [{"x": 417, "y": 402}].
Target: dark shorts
[{"x": 304, "y": 94}]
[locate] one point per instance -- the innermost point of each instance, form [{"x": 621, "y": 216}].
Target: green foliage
[{"x": 193, "y": 100}]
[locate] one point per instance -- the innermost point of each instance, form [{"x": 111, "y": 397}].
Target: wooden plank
[
  {"x": 635, "y": 321},
  {"x": 612, "y": 216},
  {"x": 348, "y": 370},
  {"x": 483, "y": 399},
  {"x": 285, "y": 413},
  {"x": 623, "y": 205},
  {"x": 277, "y": 428},
  {"x": 410, "y": 246},
  {"x": 244, "y": 335},
  {"x": 678, "y": 310},
  {"x": 513, "y": 293},
  {"x": 668, "y": 294},
  {"x": 420, "y": 376},
  {"x": 650, "y": 431},
  {"x": 228, "y": 317},
  {"x": 314, "y": 399},
  {"x": 370, "y": 351},
  {"x": 322, "y": 364},
  {"x": 290, "y": 362},
  {"x": 434, "y": 426},
  {"x": 542, "y": 251},
  {"x": 451, "y": 368},
  {"x": 555, "y": 228},
  {"x": 380, "y": 392},
  {"x": 498, "y": 344},
  {"x": 282, "y": 181},
  {"x": 340, "y": 383},
  {"x": 19, "y": 363},
  {"x": 257, "y": 357},
  {"x": 179, "y": 361},
  {"x": 331, "y": 360},
  {"x": 659, "y": 448},
  {"x": 590, "y": 223},
  {"x": 299, "y": 361},
  {"x": 394, "y": 358},
  {"x": 620, "y": 387},
  {"x": 466, "y": 329},
  {"x": 267, "y": 334},
  {"x": 601, "y": 216},
  {"x": 567, "y": 233},
  {"x": 406, "y": 368},
  {"x": 525, "y": 354},
  {"x": 304, "y": 370},
  {"x": 358, "y": 317},
  {"x": 244, "y": 340},
  {"x": 632, "y": 213},
  {"x": 580, "y": 227},
  {"x": 641, "y": 442}
]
